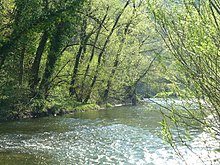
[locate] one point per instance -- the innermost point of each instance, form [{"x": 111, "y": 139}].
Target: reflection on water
[{"x": 122, "y": 135}]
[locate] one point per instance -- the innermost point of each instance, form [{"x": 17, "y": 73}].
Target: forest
[
  {"x": 59, "y": 56},
  {"x": 63, "y": 54}
]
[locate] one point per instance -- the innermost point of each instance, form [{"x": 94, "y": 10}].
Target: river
[{"x": 121, "y": 135}]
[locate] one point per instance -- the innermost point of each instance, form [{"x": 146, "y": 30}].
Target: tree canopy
[{"x": 62, "y": 53}]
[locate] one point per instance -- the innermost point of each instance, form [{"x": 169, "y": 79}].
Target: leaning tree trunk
[
  {"x": 116, "y": 62},
  {"x": 75, "y": 71},
  {"x": 102, "y": 52},
  {"x": 133, "y": 87},
  {"x": 82, "y": 48},
  {"x": 53, "y": 55},
  {"x": 92, "y": 54}
]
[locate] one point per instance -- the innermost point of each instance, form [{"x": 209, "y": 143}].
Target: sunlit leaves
[{"x": 191, "y": 32}]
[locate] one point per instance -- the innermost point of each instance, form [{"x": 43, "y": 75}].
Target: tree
[
  {"x": 19, "y": 52},
  {"x": 191, "y": 32},
  {"x": 74, "y": 52}
]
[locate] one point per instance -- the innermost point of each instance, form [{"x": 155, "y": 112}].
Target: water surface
[{"x": 121, "y": 135}]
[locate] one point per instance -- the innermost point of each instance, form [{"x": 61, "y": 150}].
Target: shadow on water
[{"x": 10, "y": 158}]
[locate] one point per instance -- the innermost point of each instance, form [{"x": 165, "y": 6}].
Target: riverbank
[
  {"x": 48, "y": 111},
  {"x": 79, "y": 108},
  {"x": 54, "y": 111},
  {"x": 36, "y": 108},
  {"x": 57, "y": 110}
]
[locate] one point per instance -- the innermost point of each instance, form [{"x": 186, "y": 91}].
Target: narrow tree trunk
[
  {"x": 21, "y": 66},
  {"x": 109, "y": 82},
  {"x": 102, "y": 52},
  {"x": 34, "y": 77},
  {"x": 116, "y": 63},
  {"x": 133, "y": 88},
  {"x": 75, "y": 70},
  {"x": 134, "y": 97},
  {"x": 92, "y": 54}
]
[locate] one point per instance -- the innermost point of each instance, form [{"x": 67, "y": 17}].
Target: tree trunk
[
  {"x": 132, "y": 94},
  {"x": 134, "y": 97},
  {"x": 34, "y": 79},
  {"x": 83, "y": 41},
  {"x": 53, "y": 55},
  {"x": 92, "y": 54},
  {"x": 75, "y": 70},
  {"x": 102, "y": 52},
  {"x": 21, "y": 66},
  {"x": 116, "y": 63}
]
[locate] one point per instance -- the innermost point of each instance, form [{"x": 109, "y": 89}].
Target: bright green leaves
[
  {"x": 191, "y": 32},
  {"x": 167, "y": 136}
]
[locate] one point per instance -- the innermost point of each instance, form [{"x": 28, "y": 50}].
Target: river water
[{"x": 122, "y": 135}]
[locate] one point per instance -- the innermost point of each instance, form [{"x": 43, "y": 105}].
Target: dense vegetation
[
  {"x": 191, "y": 32},
  {"x": 62, "y": 54}
]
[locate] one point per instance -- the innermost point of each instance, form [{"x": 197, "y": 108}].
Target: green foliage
[
  {"x": 86, "y": 107},
  {"x": 14, "y": 102},
  {"x": 108, "y": 105},
  {"x": 59, "y": 55},
  {"x": 167, "y": 135},
  {"x": 67, "y": 105},
  {"x": 191, "y": 33}
]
